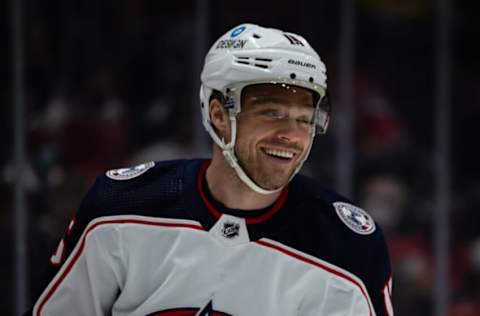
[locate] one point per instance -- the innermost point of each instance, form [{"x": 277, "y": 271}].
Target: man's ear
[{"x": 219, "y": 118}]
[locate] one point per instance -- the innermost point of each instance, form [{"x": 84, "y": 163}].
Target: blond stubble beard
[{"x": 264, "y": 179}]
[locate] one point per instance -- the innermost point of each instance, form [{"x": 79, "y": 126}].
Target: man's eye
[
  {"x": 272, "y": 114},
  {"x": 304, "y": 120}
]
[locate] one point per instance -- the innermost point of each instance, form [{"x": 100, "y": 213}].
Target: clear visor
[{"x": 311, "y": 99}]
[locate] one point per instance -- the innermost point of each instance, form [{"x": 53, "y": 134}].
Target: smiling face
[{"x": 274, "y": 132}]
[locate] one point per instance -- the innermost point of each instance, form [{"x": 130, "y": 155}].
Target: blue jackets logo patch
[
  {"x": 355, "y": 218},
  {"x": 130, "y": 172},
  {"x": 205, "y": 311}
]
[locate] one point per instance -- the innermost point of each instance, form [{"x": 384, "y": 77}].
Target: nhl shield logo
[
  {"x": 130, "y": 172},
  {"x": 230, "y": 230},
  {"x": 355, "y": 218}
]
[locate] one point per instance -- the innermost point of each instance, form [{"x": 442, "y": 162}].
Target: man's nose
[{"x": 290, "y": 130}]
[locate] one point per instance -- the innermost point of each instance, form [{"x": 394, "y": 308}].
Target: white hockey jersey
[{"x": 151, "y": 240}]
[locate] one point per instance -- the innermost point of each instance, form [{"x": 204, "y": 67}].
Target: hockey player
[{"x": 241, "y": 233}]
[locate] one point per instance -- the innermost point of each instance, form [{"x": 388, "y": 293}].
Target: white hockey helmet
[{"x": 250, "y": 54}]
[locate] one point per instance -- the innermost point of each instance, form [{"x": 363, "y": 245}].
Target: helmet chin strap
[
  {"x": 233, "y": 162},
  {"x": 228, "y": 151}
]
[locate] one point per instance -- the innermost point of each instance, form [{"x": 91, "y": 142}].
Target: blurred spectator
[
  {"x": 466, "y": 300},
  {"x": 380, "y": 130},
  {"x": 386, "y": 199}
]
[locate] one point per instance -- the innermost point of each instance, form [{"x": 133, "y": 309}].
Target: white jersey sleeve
[{"x": 89, "y": 280}]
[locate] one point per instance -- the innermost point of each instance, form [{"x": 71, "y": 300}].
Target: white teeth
[{"x": 279, "y": 153}]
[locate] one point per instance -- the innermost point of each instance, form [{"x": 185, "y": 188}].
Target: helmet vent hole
[
  {"x": 293, "y": 76},
  {"x": 258, "y": 62},
  {"x": 264, "y": 59},
  {"x": 256, "y": 36},
  {"x": 244, "y": 60},
  {"x": 310, "y": 79}
]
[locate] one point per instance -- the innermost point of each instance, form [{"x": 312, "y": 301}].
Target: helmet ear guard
[
  {"x": 207, "y": 94},
  {"x": 323, "y": 113},
  {"x": 249, "y": 54}
]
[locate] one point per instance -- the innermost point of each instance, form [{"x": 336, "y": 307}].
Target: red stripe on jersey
[
  {"x": 250, "y": 220},
  {"x": 70, "y": 226},
  {"x": 387, "y": 297},
  {"x": 317, "y": 264},
  {"x": 57, "y": 258},
  {"x": 92, "y": 227}
]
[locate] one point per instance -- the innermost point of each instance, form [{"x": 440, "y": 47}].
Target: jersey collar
[{"x": 258, "y": 215}]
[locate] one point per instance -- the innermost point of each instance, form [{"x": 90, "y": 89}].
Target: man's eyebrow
[
  {"x": 272, "y": 99},
  {"x": 265, "y": 98}
]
